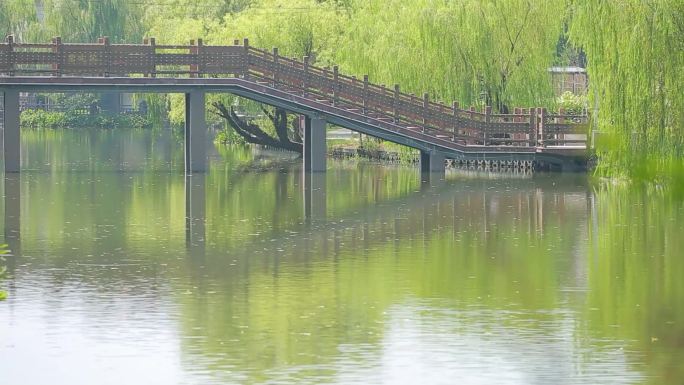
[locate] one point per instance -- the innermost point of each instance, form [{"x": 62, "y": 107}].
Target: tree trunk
[{"x": 252, "y": 133}]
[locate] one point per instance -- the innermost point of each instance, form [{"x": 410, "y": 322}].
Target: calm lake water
[{"x": 125, "y": 272}]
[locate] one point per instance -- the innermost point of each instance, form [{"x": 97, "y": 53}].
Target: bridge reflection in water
[{"x": 442, "y": 194}]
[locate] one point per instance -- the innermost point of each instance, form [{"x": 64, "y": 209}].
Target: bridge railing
[{"x": 532, "y": 127}]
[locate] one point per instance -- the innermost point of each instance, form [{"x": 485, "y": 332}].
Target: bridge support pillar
[
  {"x": 431, "y": 165},
  {"x": 314, "y": 196},
  {"x": 314, "y": 144},
  {"x": 11, "y": 133},
  {"x": 111, "y": 102},
  {"x": 195, "y": 133}
]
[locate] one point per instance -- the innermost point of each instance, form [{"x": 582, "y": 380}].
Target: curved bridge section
[{"x": 323, "y": 95}]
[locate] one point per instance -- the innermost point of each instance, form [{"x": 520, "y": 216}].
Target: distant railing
[{"x": 525, "y": 127}]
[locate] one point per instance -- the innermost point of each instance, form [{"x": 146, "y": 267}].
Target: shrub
[
  {"x": 74, "y": 119},
  {"x": 571, "y": 103},
  {"x": 43, "y": 119}
]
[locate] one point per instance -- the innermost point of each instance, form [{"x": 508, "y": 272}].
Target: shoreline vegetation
[{"x": 37, "y": 118}]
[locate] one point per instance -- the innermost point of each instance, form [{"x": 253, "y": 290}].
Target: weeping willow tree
[
  {"x": 635, "y": 52},
  {"x": 169, "y": 11},
  {"x": 73, "y": 20},
  {"x": 298, "y": 28},
  {"x": 474, "y": 51},
  {"x": 18, "y": 18}
]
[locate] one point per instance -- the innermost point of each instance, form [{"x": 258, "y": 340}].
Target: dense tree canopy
[
  {"x": 73, "y": 20},
  {"x": 635, "y": 52},
  {"x": 488, "y": 51}
]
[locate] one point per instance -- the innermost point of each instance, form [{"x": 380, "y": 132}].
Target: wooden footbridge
[{"x": 322, "y": 95}]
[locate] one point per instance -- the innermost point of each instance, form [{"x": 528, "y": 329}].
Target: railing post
[
  {"x": 305, "y": 81},
  {"x": 353, "y": 87},
  {"x": 517, "y": 119},
  {"x": 533, "y": 127},
  {"x": 245, "y": 74},
  {"x": 488, "y": 118},
  {"x": 560, "y": 139},
  {"x": 426, "y": 105},
  {"x": 10, "y": 53},
  {"x": 336, "y": 85},
  {"x": 365, "y": 94},
  {"x": 325, "y": 76},
  {"x": 541, "y": 116},
  {"x": 153, "y": 50},
  {"x": 146, "y": 41},
  {"x": 474, "y": 126},
  {"x": 439, "y": 120},
  {"x": 454, "y": 111},
  {"x": 57, "y": 56},
  {"x": 198, "y": 52},
  {"x": 192, "y": 50},
  {"x": 397, "y": 90},
  {"x": 106, "y": 56},
  {"x": 275, "y": 67}
]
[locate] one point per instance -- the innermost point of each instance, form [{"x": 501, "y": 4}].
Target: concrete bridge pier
[
  {"x": 432, "y": 165},
  {"x": 314, "y": 144},
  {"x": 314, "y": 168},
  {"x": 11, "y": 134},
  {"x": 195, "y": 132}
]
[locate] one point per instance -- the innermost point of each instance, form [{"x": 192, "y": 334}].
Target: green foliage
[
  {"x": 74, "y": 101},
  {"x": 635, "y": 61},
  {"x": 297, "y": 27},
  {"x": 373, "y": 148},
  {"x": 228, "y": 136},
  {"x": 474, "y": 51},
  {"x": 175, "y": 11},
  {"x": 571, "y": 103},
  {"x": 42, "y": 118},
  {"x": 635, "y": 274},
  {"x": 72, "y": 119},
  {"x": 74, "y": 21}
]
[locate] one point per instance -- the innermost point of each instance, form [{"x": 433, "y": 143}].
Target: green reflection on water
[
  {"x": 549, "y": 272},
  {"x": 635, "y": 275}
]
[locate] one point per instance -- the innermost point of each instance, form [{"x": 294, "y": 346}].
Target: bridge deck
[{"x": 267, "y": 77}]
